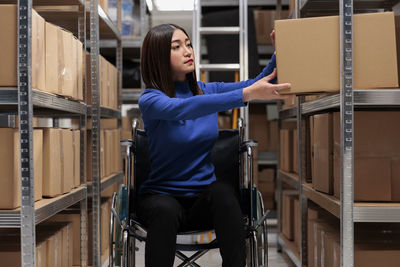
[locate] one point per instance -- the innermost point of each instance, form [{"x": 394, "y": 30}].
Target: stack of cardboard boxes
[
  {"x": 57, "y": 62},
  {"x": 54, "y": 246},
  {"x": 108, "y": 74},
  {"x": 56, "y": 158},
  {"x": 110, "y": 149},
  {"x": 308, "y": 57}
]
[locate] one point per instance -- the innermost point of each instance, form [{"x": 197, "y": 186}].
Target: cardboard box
[
  {"x": 77, "y": 157},
  {"x": 67, "y": 72},
  {"x": 266, "y": 182},
  {"x": 74, "y": 220},
  {"x": 286, "y": 153},
  {"x": 296, "y": 223},
  {"x": 272, "y": 137},
  {"x": 258, "y": 125},
  {"x": 288, "y": 197},
  {"x": 54, "y": 51},
  {"x": 264, "y": 23},
  {"x": 308, "y": 52},
  {"x": 8, "y": 51},
  {"x": 67, "y": 159},
  {"x": 105, "y": 124},
  {"x": 295, "y": 152},
  {"x": 108, "y": 156},
  {"x": 10, "y": 169},
  {"x": 310, "y": 157},
  {"x": 323, "y": 153},
  {"x": 80, "y": 70},
  {"x": 376, "y": 148},
  {"x": 52, "y": 176}
]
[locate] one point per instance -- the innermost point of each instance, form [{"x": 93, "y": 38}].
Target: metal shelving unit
[
  {"x": 26, "y": 101},
  {"x": 105, "y": 183},
  {"x": 44, "y": 208},
  {"x": 99, "y": 31},
  {"x": 346, "y": 102}
]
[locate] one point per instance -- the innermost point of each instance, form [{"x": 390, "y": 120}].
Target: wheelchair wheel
[{"x": 259, "y": 238}]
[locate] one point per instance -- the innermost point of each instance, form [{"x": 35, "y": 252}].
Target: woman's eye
[
  {"x": 175, "y": 47},
  {"x": 189, "y": 45}
]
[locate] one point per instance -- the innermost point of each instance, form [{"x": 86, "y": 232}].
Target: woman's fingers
[{"x": 282, "y": 86}]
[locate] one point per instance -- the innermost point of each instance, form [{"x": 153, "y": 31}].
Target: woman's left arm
[{"x": 221, "y": 87}]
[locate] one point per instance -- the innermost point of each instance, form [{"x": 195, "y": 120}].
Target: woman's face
[{"x": 182, "y": 58}]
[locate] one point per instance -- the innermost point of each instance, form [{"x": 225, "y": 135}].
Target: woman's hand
[{"x": 264, "y": 90}]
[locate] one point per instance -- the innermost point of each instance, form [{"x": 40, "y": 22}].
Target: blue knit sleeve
[
  {"x": 155, "y": 105},
  {"x": 220, "y": 87}
]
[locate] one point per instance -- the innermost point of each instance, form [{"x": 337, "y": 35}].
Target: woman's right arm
[{"x": 155, "y": 105}]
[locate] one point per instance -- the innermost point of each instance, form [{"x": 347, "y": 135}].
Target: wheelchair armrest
[{"x": 246, "y": 145}]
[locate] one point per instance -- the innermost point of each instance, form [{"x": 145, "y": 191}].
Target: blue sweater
[{"x": 182, "y": 131}]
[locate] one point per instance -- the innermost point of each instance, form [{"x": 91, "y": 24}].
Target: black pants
[{"x": 216, "y": 208}]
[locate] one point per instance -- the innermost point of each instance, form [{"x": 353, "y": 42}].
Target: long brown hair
[{"x": 156, "y": 61}]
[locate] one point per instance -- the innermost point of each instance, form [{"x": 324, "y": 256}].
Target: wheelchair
[{"x": 231, "y": 157}]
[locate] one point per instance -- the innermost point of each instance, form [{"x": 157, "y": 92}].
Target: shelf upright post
[
  {"x": 25, "y": 112},
  {"x": 278, "y": 193},
  {"x": 303, "y": 202},
  {"x": 83, "y": 135},
  {"x": 95, "y": 87},
  {"x": 244, "y": 60},
  {"x": 346, "y": 128},
  {"x": 119, "y": 54}
]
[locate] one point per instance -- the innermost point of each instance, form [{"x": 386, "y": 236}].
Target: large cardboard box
[
  {"x": 8, "y": 51},
  {"x": 52, "y": 176},
  {"x": 296, "y": 223},
  {"x": 376, "y": 148},
  {"x": 10, "y": 167},
  {"x": 286, "y": 152},
  {"x": 308, "y": 52},
  {"x": 323, "y": 153},
  {"x": 264, "y": 23},
  {"x": 266, "y": 182},
  {"x": 67, "y": 72}
]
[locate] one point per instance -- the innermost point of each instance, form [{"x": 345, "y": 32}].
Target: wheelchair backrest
[{"x": 225, "y": 156}]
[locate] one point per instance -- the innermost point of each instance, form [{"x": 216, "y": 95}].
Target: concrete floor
[{"x": 213, "y": 258}]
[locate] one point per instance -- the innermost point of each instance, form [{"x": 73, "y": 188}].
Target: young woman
[{"x": 180, "y": 119}]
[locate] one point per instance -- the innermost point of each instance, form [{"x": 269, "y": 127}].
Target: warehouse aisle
[{"x": 213, "y": 258}]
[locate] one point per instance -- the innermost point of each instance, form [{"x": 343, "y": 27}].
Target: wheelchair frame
[{"x": 256, "y": 227}]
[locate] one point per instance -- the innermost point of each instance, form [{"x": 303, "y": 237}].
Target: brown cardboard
[
  {"x": 8, "y": 51},
  {"x": 375, "y": 145},
  {"x": 52, "y": 177},
  {"x": 269, "y": 203},
  {"x": 311, "y": 154},
  {"x": 103, "y": 154},
  {"x": 308, "y": 52},
  {"x": 264, "y": 23},
  {"x": 266, "y": 182},
  {"x": 74, "y": 219},
  {"x": 89, "y": 156},
  {"x": 286, "y": 153},
  {"x": 258, "y": 125},
  {"x": 320, "y": 228},
  {"x": 108, "y": 146},
  {"x": 295, "y": 152},
  {"x": 67, "y": 72},
  {"x": 80, "y": 70},
  {"x": 296, "y": 223},
  {"x": 329, "y": 242},
  {"x": 77, "y": 155},
  {"x": 369, "y": 256},
  {"x": 395, "y": 178},
  {"x": 53, "y": 60},
  {"x": 67, "y": 158},
  {"x": 288, "y": 213},
  {"x": 272, "y": 138},
  {"x": 10, "y": 195},
  {"x": 323, "y": 153},
  {"x": 105, "y": 124}
]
